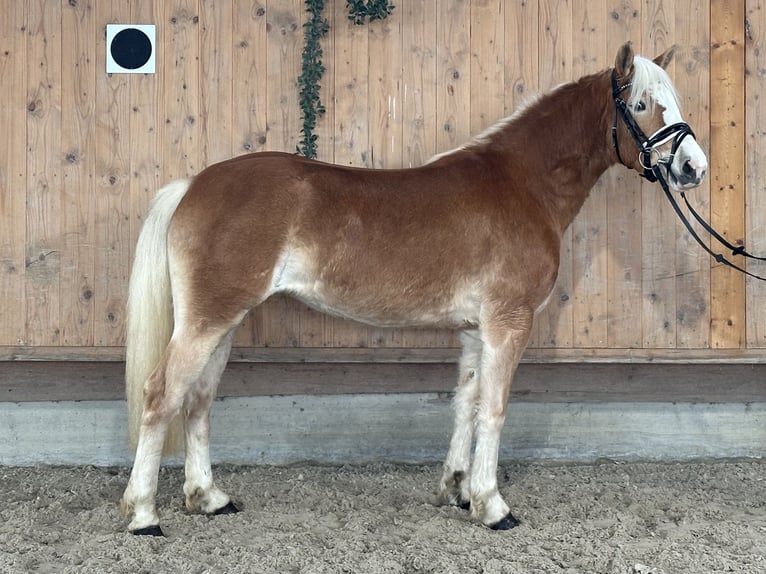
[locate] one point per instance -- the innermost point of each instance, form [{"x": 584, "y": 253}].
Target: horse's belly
[{"x": 378, "y": 302}]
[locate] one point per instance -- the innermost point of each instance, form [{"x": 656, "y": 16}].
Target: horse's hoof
[
  {"x": 154, "y": 530},
  {"x": 230, "y": 508},
  {"x": 506, "y": 523},
  {"x": 464, "y": 505}
]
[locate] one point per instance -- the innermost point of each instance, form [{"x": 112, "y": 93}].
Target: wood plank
[
  {"x": 419, "y": 79},
  {"x": 624, "y": 266},
  {"x": 453, "y": 63},
  {"x": 315, "y": 326},
  {"x": 281, "y": 315},
  {"x": 43, "y": 226},
  {"x": 406, "y": 355},
  {"x": 558, "y": 383},
  {"x": 556, "y": 321},
  {"x": 659, "y": 224},
  {"x": 419, "y": 94},
  {"x": 727, "y": 166},
  {"x": 216, "y": 80},
  {"x": 521, "y": 73},
  {"x": 13, "y": 173},
  {"x": 249, "y": 105},
  {"x": 755, "y": 167},
  {"x": 487, "y": 66},
  {"x": 522, "y": 37},
  {"x": 385, "y": 119},
  {"x": 112, "y": 188},
  {"x": 78, "y": 273},
  {"x": 691, "y": 75},
  {"x": 351, "y": 135},
  {"x": 589, "y": 229},
  {"x": 144, "y": 125},
  {"x": 179, "y": 72}
]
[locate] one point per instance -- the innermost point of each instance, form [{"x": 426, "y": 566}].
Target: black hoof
[
  {"x": 230, "y": 508},
  {"x": 465, "y": 505},
  {"x": 149, "y": 531},
  {"x": 506, "y": 523}
]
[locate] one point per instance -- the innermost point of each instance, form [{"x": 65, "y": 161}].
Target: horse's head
[{"x": 647, "y": 103}]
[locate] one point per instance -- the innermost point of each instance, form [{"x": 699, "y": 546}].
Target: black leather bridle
[{"x": 653, "y": 172}]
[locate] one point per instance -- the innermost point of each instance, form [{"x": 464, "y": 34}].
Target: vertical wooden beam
[
  {"x": 13, "y": 172},
  {"x": 623, "y": 208},
  {"x": 521, "y": 74},
  {"x": 43, "y": 225},
  {"x": 755, "y": 90},
  {"x": 112, "y": 189},
  {"x": 658, "y": 220},
  {"x": 556, "y": 321},
  {"x": 727, "y": 166},
  {"x": 78, "y": 97},
  {"x": 453, "y": 69},
  {"x": 589, "y": 229},
  {"x": 487, "y": 65},
  {"x": 284, "y": 19},
  {"x": 249, "y": 129},
  {"x": 691, "y": 76},
  {"x": 216, "y": 80}
]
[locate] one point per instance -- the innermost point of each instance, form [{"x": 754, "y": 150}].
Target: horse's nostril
[{"x": 687, "y": 167}]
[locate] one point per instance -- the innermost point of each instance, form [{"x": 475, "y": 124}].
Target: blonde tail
[{"x": 150, "y": 311}]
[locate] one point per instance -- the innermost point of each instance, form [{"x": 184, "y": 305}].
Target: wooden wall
[{"x": 82, "y": 154}]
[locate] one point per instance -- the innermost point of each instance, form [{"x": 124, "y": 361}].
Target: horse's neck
[{"x": 565, "y": 134}]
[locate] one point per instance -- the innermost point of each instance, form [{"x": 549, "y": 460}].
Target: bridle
[
  {"x": 646, "y": 145},
  {"x": 647, "y": 150}
]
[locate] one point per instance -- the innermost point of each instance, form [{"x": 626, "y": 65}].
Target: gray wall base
[{"x": 392, "y": 427}]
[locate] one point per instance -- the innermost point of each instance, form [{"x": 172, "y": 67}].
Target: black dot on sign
[{"x": 131, "y": 48}]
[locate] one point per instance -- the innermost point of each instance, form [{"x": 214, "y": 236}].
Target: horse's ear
[
  {"x": 623, "y": 64},
  {"x": 663, "y": 60}
]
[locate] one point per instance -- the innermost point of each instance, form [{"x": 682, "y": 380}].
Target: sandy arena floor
[{"x": 380, "y": 518}]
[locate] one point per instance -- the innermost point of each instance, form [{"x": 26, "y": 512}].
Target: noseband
[
  {"x": 646, "y": 145},
  {"x": 653, "y": 172}
]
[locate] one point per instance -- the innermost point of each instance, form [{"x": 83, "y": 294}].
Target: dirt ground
[{"x": 380, "y": 518}]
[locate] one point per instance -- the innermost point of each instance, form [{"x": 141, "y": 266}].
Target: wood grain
[
  {"x": 43, "y": 224},
  {"x": 727, "y": 167},
  {"x": 93, "y": 150},
  {"x": 13, "y": 174},
  {"x": 624, "y": 267},
  {"x": 548, "y": 383},
  {"x": 112, "y": 189},
  {"x": 589, "y": 230},
  {"x": 755, "y": 168},
  {"x": 556, "y": 321}
]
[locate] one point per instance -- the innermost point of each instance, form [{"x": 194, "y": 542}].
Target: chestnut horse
[{"x": 469, "y": 241}]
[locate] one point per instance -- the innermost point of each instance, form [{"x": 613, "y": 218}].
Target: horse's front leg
[
  {"x": 503, "y": 344},
  {"x": 454, "y": 485}
]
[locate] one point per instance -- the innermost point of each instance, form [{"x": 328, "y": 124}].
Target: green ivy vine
[
  {"x": 358, "y": 10},
  {"x": 312, "y": 68}
]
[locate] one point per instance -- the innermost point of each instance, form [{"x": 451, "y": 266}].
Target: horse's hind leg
[
  {"x": 202, "y": 495},
  {"x": 182, "y": 363},
  {"x": 454, "y": 485}
]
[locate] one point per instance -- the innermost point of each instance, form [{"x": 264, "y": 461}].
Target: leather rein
[{"x": 653, "y": 172}]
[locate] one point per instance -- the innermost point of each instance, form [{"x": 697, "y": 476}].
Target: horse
[{"x": 468, "y": 241}]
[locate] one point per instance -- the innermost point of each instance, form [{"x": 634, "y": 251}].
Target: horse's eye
[{"x": 640, "y": 106}]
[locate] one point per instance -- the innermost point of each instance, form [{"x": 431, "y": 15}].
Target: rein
[{"x": 653, "y": 172}]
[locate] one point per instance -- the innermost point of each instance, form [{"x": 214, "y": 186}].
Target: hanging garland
[
  {"x": 358, "y": 10},
  {"x": 312, "y": 69}
]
